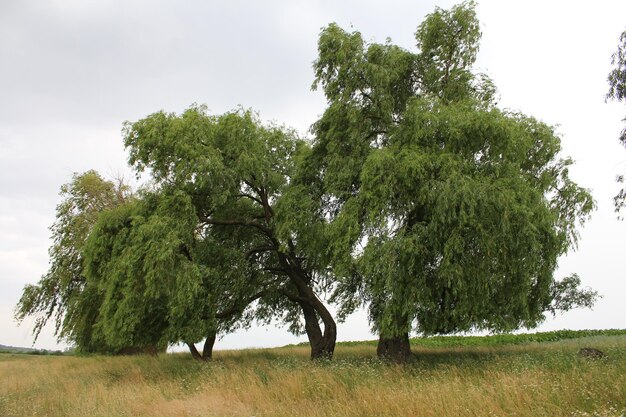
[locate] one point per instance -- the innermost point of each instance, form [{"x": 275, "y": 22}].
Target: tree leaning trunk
[
  {"x": 322, "y": 344},
  {"x": 207, "y": 351},
  {"x": 395, "y": 348},
  {"x": 194, "y": 351}
]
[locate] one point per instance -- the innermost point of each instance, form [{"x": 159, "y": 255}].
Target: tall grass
[{"x": 536, "y": 379}]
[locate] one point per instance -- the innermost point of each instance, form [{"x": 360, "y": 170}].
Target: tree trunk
[
  {"x": 207, "y": 351},
  {"x": 322, "y": 344},
  {"x": 194, "y": 351},
  {"x": 395, "y": 348}
]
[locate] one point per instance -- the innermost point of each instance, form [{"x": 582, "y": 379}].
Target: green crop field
[{"x": 522, "y": 375}]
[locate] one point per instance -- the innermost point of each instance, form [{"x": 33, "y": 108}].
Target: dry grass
[{"x": 526, "y": 380}]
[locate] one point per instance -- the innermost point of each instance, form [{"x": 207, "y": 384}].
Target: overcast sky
[{"x": 72, "y": 71}]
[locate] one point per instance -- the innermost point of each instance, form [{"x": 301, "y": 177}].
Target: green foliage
[
  {"x": 443, "y": 210},
  {"x": 133, "y": 258},
  {"x": 448, "y": 42},
  {"x": 160, "y": 280},
  {"x": 617, "y": 91},
  {"x": 567, "y": 294},
  {"x": 60, "y": 292},
  {"x": 617, "y": 76},
  {"x": 466, "y": 220},
  {"x": 238, "y": 174},
  {"x": 211, "y": 155}
]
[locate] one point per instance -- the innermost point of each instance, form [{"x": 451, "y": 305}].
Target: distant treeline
[
  {"x": 23, "y": 351},
  {"x": 32, "y": 351},
  {"x": 500, "y": 339}
]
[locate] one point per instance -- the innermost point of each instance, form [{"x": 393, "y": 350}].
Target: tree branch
[
  {"x": 237, "y": 222},
  {"x": 252, "y": 187},
  {"x": 260, "y": 249},
  {"x": 237, "y": 307},
  {"x": 251, "y": 197},
  {"x": 276, "y": 270},
  {"x": 293, "y": 297},
  {"x": 269, "y": 212}
]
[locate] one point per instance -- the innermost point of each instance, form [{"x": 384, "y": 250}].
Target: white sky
[{"x": 71, "y": 71}]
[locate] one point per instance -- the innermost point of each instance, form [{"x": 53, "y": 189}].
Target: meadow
[{"x": 488, "y": 376}]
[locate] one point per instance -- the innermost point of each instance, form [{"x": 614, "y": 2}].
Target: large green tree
[
  {"x": 161, "y": 279},
  {"x": 60, "y": 294},
  {"x": 446, "y": 214},
  {"x": 617, "y": 91},
  {"x": 237, "y": 174},
  {"x": 183, "y": 261},
  {"x": 133, "y": 273}
]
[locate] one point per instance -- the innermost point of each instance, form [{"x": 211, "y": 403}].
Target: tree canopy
[
  {"x": 452, "y": 213},
  {"x": 417, "y": 198},
  {"x": 60, "y": 292},
  {"x": 161, "y": 282},
  {"x": 237, "y": 174}
]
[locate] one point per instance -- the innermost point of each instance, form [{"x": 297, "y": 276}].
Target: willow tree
[
  {"x": 161, "y": 280},
  {"x": 60, "y": 294},
  {"x": 236, "y": 173},
  {"x": 447, "y": 214}
]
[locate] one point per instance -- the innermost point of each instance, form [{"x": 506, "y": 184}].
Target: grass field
[{"x": 491, "y": 378}]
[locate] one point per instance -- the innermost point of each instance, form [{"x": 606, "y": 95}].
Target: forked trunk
[
  {"x": 395, "y": 348},
  {"x": 322, "y": 344},
  {"x": 207, "y": 350}
]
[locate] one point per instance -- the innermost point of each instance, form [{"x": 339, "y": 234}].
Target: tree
[
  {"x": 446, "y": 213},
  {"x": 60, "y": 294},
  {"x": 617, "y": 91},
  {"x": 237, "y": 175},
  {"x": 161, "y": 281}
]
